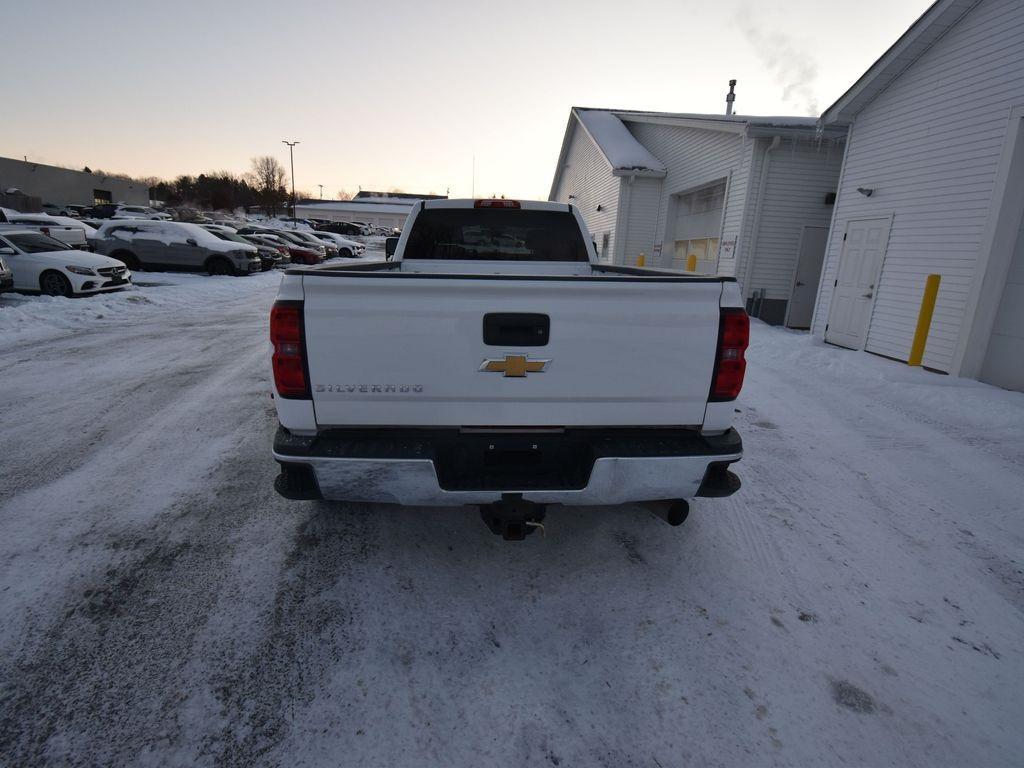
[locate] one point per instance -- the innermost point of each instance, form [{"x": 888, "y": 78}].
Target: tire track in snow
[{"x": 103, "y": 684}]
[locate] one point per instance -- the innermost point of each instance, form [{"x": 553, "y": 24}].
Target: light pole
[{"x": 291, "y": 155}]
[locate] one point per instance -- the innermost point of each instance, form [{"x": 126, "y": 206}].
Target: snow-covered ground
[{"x": 859, "y": 602}]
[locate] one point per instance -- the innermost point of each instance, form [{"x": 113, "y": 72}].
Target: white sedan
[
  {"x": 43, "y": 265},
  {"x": 347, "y": 248}
]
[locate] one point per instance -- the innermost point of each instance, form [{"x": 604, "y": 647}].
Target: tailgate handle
[{"x": 516, "y": 329}]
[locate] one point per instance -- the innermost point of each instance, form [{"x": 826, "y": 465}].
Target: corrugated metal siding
[
  {"x": 800, "y": 174},
  {"x": 640, "y": 227},
  {"x": 588, "y": 176},
  {"x": 696, "y": 157},
  {"x": 930, "y": 146}
]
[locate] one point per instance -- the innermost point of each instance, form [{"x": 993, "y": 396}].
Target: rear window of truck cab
[{"x": 495, "y": 234}]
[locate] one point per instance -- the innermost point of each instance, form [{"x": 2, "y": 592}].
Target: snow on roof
[
  {"x": 621, "y": 148},
  {"x": 359, "y": 206},
  {"x": 780, "y": 121}
]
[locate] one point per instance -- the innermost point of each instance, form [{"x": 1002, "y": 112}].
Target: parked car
[
  {"x": 330, "y": 249},
  {"x": 99, "y": 211},
  {"x": 41, "y": 264},
  {"x": 269, "y": 257},
  {"x": 343, "y": 228},
  {"x": 346, "y": 248},
  {"x": 6, "y": 277},
  {"x": 520, "y": 390},
  {"x": 140, "y": 212},
  {"x": 174, "y": 245},
  {"x": 60, "y": 210},
  {"x": 299, "y": 254},
  {"x": 69, "y": 231},
  {"x": 289, "y": 236}
]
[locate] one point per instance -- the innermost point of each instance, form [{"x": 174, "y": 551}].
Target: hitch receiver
[{"x": 512, "y": 518}]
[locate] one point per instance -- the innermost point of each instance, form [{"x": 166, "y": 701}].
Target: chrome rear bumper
[{"x": 331, "y": 468}]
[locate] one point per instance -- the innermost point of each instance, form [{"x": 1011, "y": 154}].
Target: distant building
[
  {"x": 373, "y": 208},
  {"x": 933, "y": 183},
  {"x": 749, "y": 197},
  {"x": 365, "y": 193},
  {"x": 62, "y": 186}
]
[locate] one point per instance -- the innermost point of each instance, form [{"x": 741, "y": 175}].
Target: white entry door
[
  {"x": 808, "y": 272},
  {"x": 853, "y": 295}
]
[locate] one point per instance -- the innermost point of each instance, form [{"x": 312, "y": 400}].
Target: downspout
[
  {"x": 625, "y": 220},
  {"x": 756, "y": 229}
]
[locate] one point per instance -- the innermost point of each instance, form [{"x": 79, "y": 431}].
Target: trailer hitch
[{"x": 512, "y": 518}]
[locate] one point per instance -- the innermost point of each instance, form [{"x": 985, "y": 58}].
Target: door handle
[
  {"x": 798, "y": 283},
  {"x": 516, "y": 329},
  {"x": 867, "y": 295}
]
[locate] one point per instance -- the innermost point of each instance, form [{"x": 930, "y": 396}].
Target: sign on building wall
[{"x": 727, "y": 250}]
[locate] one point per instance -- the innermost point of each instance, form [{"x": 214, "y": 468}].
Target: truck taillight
[
  {"x": 730, "y": 365},
  {"x": 288, "y": 337},
  {"x": 496, "y": 204}
]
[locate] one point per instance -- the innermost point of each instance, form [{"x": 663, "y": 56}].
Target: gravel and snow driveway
[{"x": 859, "y": 602}]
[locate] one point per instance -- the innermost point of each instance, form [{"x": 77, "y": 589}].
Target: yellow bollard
[
  {"x": 640, "y": 260},
  {"x": 691, "y": 262},
  {"x": 924, "y": 319}
]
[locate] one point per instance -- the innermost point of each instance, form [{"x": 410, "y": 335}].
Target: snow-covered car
[
  {"x": 347, "y": 249},
  {"x": 174, "y": 245},
  {"x": 74, "y": 232},
  {"x": 140, "y": 212},
  {"x": 41, "y": 264}
]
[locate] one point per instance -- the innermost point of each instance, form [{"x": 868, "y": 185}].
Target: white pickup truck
[{"x": 495, "y": 361}]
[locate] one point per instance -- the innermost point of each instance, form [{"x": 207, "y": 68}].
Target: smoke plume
[{"x": 790, "y": 64}]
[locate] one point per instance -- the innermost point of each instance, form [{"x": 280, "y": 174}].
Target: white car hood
[{"x": 77, "y": 258}]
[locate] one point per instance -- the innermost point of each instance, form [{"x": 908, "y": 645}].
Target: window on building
[
  {"x": 698, "y": 221},
  {"x": 606, "y": 239},
  {"x": 102, "y": 197}
]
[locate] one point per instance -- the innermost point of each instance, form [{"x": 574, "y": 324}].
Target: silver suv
[{"x": 174, "y": 245}]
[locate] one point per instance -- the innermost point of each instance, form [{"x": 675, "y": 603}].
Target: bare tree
[
  {"x": 343, "y": 195},
  {"x": 268, "y": 178}
]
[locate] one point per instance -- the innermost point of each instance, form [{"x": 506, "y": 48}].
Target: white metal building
[
  {"x": 749, "y": 197},
  {"x": 378, "y": 212},
  {"x": 933, "y": 183}
]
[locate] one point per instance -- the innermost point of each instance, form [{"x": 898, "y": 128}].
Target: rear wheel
[
  {"x": 55, "y": 284},
  {"x": 219, "y": 267},
  {"x": 129, "y": 259},
  {"x": 345, "y": 253}
]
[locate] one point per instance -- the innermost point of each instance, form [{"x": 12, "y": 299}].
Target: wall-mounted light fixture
[
  {"x": 600, "y": 207},
  {"x": 572, "y": 197},
  {"x": 866, "y": 191}
]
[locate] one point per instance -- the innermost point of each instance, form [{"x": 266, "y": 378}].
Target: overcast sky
[{"x": 402, "y": 94}]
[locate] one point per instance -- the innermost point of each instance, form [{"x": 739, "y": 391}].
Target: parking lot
[{"x": 858, "y": 601}]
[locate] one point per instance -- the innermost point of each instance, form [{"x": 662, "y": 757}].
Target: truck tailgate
[{"x": 409, "y": 350}]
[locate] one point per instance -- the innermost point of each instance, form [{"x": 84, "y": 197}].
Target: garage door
[{"x": 1004, "y": 360}]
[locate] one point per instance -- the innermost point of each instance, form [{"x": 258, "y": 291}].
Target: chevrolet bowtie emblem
[{"x": 514, "y": 366}]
